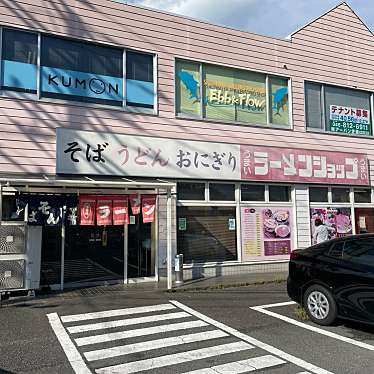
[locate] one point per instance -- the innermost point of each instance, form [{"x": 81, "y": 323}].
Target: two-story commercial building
[{"x": 129, "y": 135}]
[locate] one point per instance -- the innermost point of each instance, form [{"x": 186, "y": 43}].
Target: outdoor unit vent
[
  {"x": 12, "y": 274},
  {"x": 12, "y": 239}
]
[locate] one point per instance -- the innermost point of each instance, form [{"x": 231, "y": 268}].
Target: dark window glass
[
  {"x": 10, "y": 211},
  {"x": 252, "y": 192},
  {"x": 318, "y": 194},
  {"x": 313, "y": 106},
  {"x": 279, "y": 193},
  {"x": 362, "y": 195},
  {"x": 191, "y": 191},
  {"x": 207, "y": 234},
  {"x": 139, "y": 66},
  {"x": 359, "y": 251},
  {"x": 336, "y": 250},
  {"x": 81, "y": 71},
  {"x": 19, "y": 55},
  {"x": 82, "y": 57},
  {"x": 222, "y": 191},
  {"x": 20, "y": 46},
  {"x": 340, "y": 195}
]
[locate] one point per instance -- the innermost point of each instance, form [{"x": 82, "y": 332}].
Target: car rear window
[{"x": 359, "y": 251}]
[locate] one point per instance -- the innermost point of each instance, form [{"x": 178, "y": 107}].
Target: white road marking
[
  {"x": 243, "y": 366},
  {"x": 174, "y": 359},
  {"x": 275, "y": 351},
  {"x": 278, "y": 304},
  {"x": 126, "y": 322},
  {"x": 138, "y": 332},
  {"x": 318, "y": 330},
  {"x": 101, "y": 354},
  {"x": 67, "y": 345},
  {"x": 116, "y": 312}
]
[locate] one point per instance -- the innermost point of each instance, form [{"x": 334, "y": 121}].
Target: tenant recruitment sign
[{"x": 90, "y": 153}]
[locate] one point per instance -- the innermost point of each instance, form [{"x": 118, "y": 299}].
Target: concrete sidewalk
[
  {"x": 226, "y": 281},
  {"x": 206, "y": 283}
]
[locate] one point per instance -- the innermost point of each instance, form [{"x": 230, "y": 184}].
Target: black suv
[{"x": 335, "y": 279}]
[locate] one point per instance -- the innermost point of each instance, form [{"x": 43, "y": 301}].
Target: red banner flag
[
  {"x": 104, "y": 207},
  {"x": 120, "y": 210},
  {"x": 148, "y": 208},
  {"x": 135, "y": 204},
  {"x": 87, "y": 206}
]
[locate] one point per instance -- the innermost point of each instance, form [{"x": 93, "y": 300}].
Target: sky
[{"x": 276, "y": 18}]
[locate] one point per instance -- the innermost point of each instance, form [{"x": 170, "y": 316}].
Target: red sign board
[
  {"x": 87, "y": 205},
  {"x": 148, "y": 208},
  {"x": 104, "y": 209},
  {"x": 135, "y": 204},
  {"x": 120, "y": 210},
  {"x": 305, "y": 166}
]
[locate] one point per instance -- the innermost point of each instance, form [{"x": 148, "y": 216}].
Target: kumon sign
[{"x": 69, "y": 82}]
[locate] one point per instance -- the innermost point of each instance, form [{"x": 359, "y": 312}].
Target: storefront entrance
[{"x": 140, "y": 254}]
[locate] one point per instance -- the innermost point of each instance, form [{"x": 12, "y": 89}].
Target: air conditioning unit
[{"x": 20, "y": 255}]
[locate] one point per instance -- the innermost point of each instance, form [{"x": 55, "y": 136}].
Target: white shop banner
[{"x": 85, "y": 152}]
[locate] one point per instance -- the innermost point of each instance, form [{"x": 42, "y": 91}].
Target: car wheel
[{"x": 320, "y": 305}]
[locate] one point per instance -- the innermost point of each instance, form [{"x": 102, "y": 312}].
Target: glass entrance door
[
  {"x": 140, "y": 254},
  {"x": 94, "y": 254}
]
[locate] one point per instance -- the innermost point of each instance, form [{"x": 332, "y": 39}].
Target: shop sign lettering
[
  {"x": 349, "y": 120},
  {"x": 283, "y": 164},
  {"x": 83, "y": 152},
  {"x": 69, "y": 82}
]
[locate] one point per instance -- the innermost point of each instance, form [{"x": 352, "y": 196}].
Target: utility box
[{"x": 20, "y": 256}]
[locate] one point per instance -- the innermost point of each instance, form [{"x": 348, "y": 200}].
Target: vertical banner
[
  {"x": 135, "y": 204},
  {"x": 148, "y": 208},
  {"x": 266, "y": 233},
  {"x": 104, "y": 207},
  {"x": 87, "y": 206},
  {"x": 120, "y": 210}
]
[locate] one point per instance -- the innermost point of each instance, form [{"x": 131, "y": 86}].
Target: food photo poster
[
  {"x": 337, "y": 220},
  {"x": 266, "y": 233}
]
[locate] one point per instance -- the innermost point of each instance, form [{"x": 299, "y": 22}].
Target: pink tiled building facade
[{"x": 129, "y": 135}]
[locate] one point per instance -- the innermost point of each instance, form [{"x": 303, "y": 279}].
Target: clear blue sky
[{"x": 276, "y": 18}]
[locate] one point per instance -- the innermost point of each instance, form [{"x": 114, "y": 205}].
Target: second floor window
[
  {"x": 74, "y": 70},
  {"x": 19, "y": 61},
  {"x": 226, "y": 94},
  {"x": 337, "y": 109}
]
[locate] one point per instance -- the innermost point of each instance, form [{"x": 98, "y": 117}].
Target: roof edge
[{"x": 289, "y": 37}]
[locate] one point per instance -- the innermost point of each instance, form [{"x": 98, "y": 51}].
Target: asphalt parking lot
[{"x": 188, "y": 332}]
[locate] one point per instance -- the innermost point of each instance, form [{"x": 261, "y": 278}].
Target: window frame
[
  {"x": 323, "y": 109},
  {"x": 38, "y": 97},
  {"x": 202, "y": 116}
]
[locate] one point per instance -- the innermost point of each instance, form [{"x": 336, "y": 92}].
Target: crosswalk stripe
[
  {"x": 242, "y": 366},
  {"x": 138, "y": 332},
  {"x": 101, "y": 354},
  {"x": 173, "y": 359},
  {"x": 116, "y": 312},
  {"x": 126, "y": 322}
]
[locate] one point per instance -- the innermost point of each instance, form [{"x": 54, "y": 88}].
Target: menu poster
[
  {"x": 266, "y": 233},
  {"x": 148, "y": 208},
  {"x": 104, "y": 209},
  {"x": 87, "y": 206},
  {"x": 337, "y": 220},
  {"x": 135, "y": 204},
  {"x": 120, "y": 210}
]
